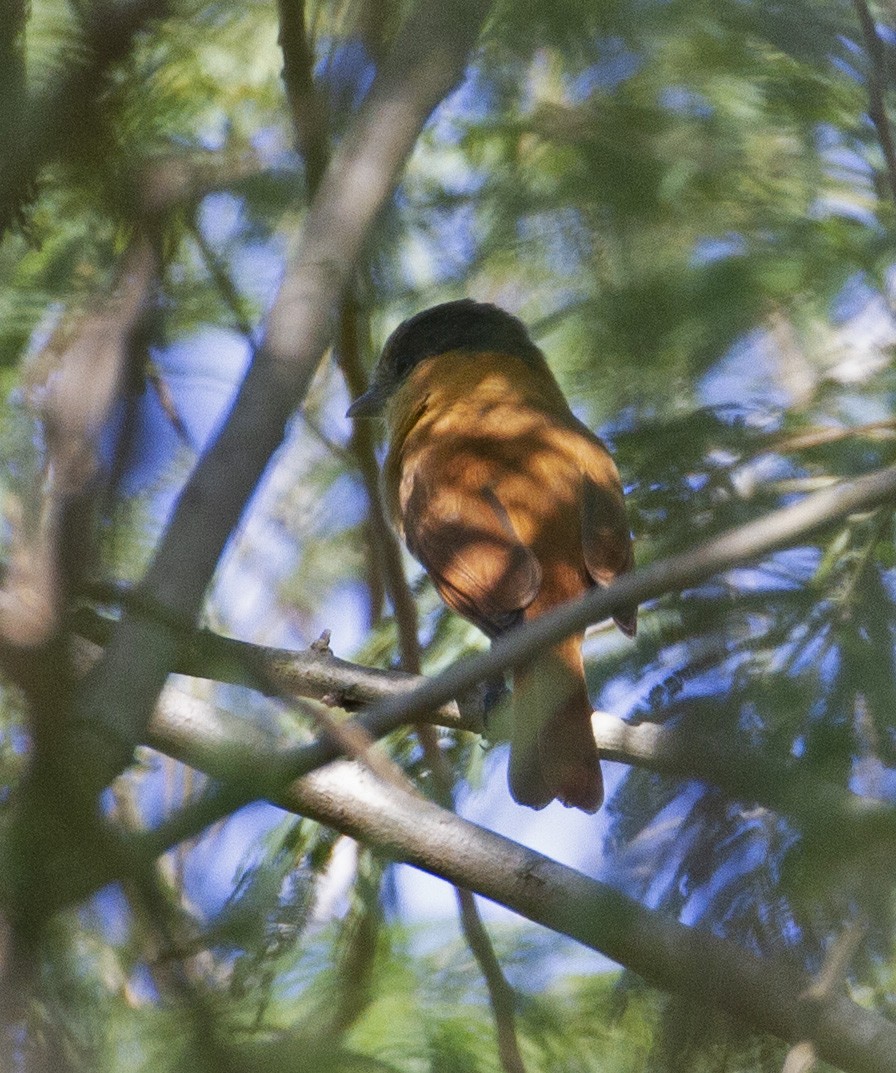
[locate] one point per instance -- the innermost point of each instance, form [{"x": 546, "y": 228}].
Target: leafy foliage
[{"x": 688, "y": 202}]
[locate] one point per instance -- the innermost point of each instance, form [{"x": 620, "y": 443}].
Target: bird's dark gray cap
[{"x": 464, "y": 325}]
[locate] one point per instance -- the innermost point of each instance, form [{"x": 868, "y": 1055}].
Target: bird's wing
[
  {"x": 606, "y": 538},
  {"x": 464, "y": 538}
]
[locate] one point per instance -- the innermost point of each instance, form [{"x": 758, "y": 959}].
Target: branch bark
[
  {"x": 118, "y": 696},
  {"x": 836, "y": 819},
  {"x": 830, "y": 816},
  {"x": 736, "y": 547},
  {"x": 765, "y": 993}
]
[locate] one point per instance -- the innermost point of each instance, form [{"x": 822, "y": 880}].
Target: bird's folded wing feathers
[{"x": 466, "y": 542}]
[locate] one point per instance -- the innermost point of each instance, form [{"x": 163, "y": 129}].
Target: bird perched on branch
[{"x": 512, "y": 506}]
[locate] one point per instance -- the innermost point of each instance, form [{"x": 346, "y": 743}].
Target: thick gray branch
[
  {"x": 837, "y": 819},
  {"x": 764, "y": 993},
  {"x": 428, "y": 59}
]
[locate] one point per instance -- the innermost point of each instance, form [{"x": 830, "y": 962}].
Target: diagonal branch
[
  {"x": 779, "y": 529},
  {"x": 766, "y": 993},
  {"x": 118, "y": 696},
  {"x": 877, "y": 84},
  {"x": 802, "y": 1057},
  {"x": 226, "y": 659},
  {"x": 818, "y": 805},
  {"x": 833, "y": 820}
]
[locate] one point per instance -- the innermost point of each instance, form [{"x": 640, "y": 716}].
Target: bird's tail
[{"x": 552, "y": 751}]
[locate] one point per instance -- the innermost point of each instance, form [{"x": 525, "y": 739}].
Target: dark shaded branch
[
  {"x": 502, "y": 997},
  {"x": 118, "y": 696},
  {"x": 280, "y": 672},
  {"x": 877, "y": 84},
  {"x": 385, "y": 546},
  {"x": 59, "y": 120},
  {"x": 829, "y": 815},
  {"x": 306, "y": 107},
  {"x": 833, "y": 820},
  {"x": 312, "y": 136}
]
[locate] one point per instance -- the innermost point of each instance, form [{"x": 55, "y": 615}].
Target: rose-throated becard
[{"x": 512, "y": 506}]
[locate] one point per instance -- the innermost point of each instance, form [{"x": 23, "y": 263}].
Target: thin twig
[
  {"x": 307, "y": 111},
  {"x": 821, "y": 437},
  {"x": 231, "y": 297}
]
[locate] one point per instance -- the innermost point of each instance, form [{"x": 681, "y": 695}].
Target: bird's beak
[{"x": 369, "y": 404}]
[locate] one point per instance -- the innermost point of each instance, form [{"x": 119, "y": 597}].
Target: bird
[{"x": 512, "y": 506}]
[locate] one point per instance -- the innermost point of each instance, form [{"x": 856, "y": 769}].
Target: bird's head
[{"x": 463, "y": 325}]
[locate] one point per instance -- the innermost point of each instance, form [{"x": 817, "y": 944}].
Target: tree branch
[
  {"x": 877, "y": 80},
  {"x": 118, "y": 696},
  {"x": 831, "y": 817},
  {"x": 281, "y": 672},
  {"x": 802, "y": 1057},
  {"x": 56, "y": 120},
  {"x": 769, "y": 533},
  {"x": 765, "y": 993}
]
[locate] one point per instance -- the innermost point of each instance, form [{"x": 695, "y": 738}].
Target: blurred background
[{"x": 691, "y": 205}]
